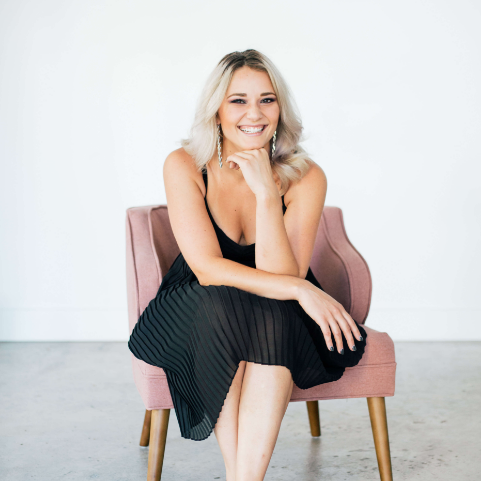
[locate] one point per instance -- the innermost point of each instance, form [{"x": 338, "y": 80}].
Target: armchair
[{"x": 342, "y": 272}]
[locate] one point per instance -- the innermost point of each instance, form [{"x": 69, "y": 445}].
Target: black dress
[{"x": 199, "y": 334}]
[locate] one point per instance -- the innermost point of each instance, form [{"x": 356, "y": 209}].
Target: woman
[{"x": 240, "y": 316}]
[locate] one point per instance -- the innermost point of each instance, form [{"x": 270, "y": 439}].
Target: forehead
[{"x": 247, "y": 80}]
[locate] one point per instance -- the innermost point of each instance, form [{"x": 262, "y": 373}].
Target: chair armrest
[
  {"x": 143, "y": 271},
  {"x": 339, "y": 267},
  {"x": 151, "y": 250}
]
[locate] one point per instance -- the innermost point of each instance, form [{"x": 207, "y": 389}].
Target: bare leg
[
  {"x": 266, "y": 391},
  {"x": 226, "y": 427}
]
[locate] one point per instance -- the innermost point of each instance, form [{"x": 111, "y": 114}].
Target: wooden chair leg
[
  {"x": 158, "y": 437},
  {"x": 377, "y": 413},
  {"x": 314, "y": 422},
  {"x": 144, "y": 437}
]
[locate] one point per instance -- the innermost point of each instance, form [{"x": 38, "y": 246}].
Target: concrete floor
[{"x": 71, "y": 411}]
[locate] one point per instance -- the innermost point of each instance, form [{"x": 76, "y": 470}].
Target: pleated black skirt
[{"x": 200, "y": 334}]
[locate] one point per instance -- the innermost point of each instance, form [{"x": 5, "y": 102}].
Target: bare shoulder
[
  {"x": 315, "y": 176},
  {"x": 312, "y": 185},
  {"x": 180, "y": 166},
  {"x": 179, "y": 160}
]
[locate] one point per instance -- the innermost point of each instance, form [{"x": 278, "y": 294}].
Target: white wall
[{"x": 95, "y": 94}]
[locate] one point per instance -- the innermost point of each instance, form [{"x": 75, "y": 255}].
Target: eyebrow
[{"x": 245, "y": 95}]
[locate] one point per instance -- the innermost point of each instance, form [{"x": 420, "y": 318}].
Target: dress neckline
[{"x": 216, "y": 227}]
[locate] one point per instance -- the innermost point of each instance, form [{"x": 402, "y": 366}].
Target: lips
[{"x": 252, "y": 129}]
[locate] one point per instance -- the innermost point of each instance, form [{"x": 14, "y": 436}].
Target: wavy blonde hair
[{"x": 290, "y": 161}]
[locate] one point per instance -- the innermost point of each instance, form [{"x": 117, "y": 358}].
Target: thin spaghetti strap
[{"x": 204, "y": 176}]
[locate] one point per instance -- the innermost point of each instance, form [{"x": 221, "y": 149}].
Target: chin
[{"x": 254, "y": 144}]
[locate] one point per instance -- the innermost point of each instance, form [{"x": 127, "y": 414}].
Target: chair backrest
[
  {"x": 339, "y": 267},
  {"x": 152, "y": 248}
]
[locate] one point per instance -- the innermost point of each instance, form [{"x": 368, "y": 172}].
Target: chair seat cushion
[{"x": 374, "y": 376}]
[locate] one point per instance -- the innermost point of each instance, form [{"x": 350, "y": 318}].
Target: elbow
[
  {"x": 202, "y": 281},
  {"x": 295, "y": 272},
  {"x": 202, "y": 278},
  {"x": 208, "y": 271},
  {"x": 205, "y": 277},
  {"x": 302, "y": 274}
]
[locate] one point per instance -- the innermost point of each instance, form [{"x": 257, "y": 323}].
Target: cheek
[
  {"x": 230, "y": 116},
  {"x": 273, "y": 113}
]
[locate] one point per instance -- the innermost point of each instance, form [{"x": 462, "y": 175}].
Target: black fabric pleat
[{"x": 200, "y": 334}]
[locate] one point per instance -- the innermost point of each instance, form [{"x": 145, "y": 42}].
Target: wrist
[
  {"x": 297, "y": 286},
  {"x": 267, "y": 196}
]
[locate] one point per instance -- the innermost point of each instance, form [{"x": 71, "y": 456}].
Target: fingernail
[
  {"x": 354, "y": 348},
  {"x": 361, "y": 338},
  {"x": 341, "y": 351},
  {"x": 331, "y": 348}
]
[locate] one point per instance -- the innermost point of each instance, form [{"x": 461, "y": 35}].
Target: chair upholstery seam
[
  {"x": 152, "y": 243},
  {"x": 344, "y": 264},
  {"x": 134, "y": 260}
]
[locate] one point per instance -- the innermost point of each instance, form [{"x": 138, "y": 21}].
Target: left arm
[
  {"x": 273, "y": 250},
  {"x": 284, "y": 244}
]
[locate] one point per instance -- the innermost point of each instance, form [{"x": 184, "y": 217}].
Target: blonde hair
[{"x": 290, "y": 161}]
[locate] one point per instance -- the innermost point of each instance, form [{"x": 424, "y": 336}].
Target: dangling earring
[
  {"x": 273, "y": 144},
  {"x": 219, "y": 149}
]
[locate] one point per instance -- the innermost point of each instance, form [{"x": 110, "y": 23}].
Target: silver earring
[
  {"x": 274, "y": 144},
  {"x": 219, "y": 149}
]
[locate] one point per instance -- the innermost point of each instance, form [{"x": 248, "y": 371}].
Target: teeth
[{"x": 253, "y": 131}]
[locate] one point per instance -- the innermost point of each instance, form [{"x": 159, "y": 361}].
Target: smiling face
[{"x": 249, "y": 113}]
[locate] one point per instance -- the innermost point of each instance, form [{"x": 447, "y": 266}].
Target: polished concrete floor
[{"x": 71, "y": 411}]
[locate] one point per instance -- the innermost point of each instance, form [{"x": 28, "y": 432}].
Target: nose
[{"x": 253, "y": 112}]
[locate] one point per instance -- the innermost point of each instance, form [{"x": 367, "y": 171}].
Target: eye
[{"x": 268, "y": 100}]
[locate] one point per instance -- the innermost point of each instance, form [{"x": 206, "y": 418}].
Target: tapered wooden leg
[
  {"x": 144, "y": 437},
  {"x": 314, "y": 422},
  {"x": 158, "y": 436},
  {"x": 377, "y": 413}
]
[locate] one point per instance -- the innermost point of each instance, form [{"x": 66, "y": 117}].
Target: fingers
[
  {"x": 337, "y": 335},
  {"x": 340, "y": 323},
  {"x": 236, "y": 158},
  {"x": 332, "y": 318},
  {"x": 326, "y": 331},
  {"x": 249, "y": 154},
  {"x": 352, "y": 325},
  {"x": 233, "y": 165},
  {"x": 239, "y": 160},
  {"x": 245, "y": 154},
  {"x": 235, "y": 161},
  {"x": 329, "y": 328}
]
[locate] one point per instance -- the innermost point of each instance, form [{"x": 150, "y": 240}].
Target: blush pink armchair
[{"x": 342, "y": 272}]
